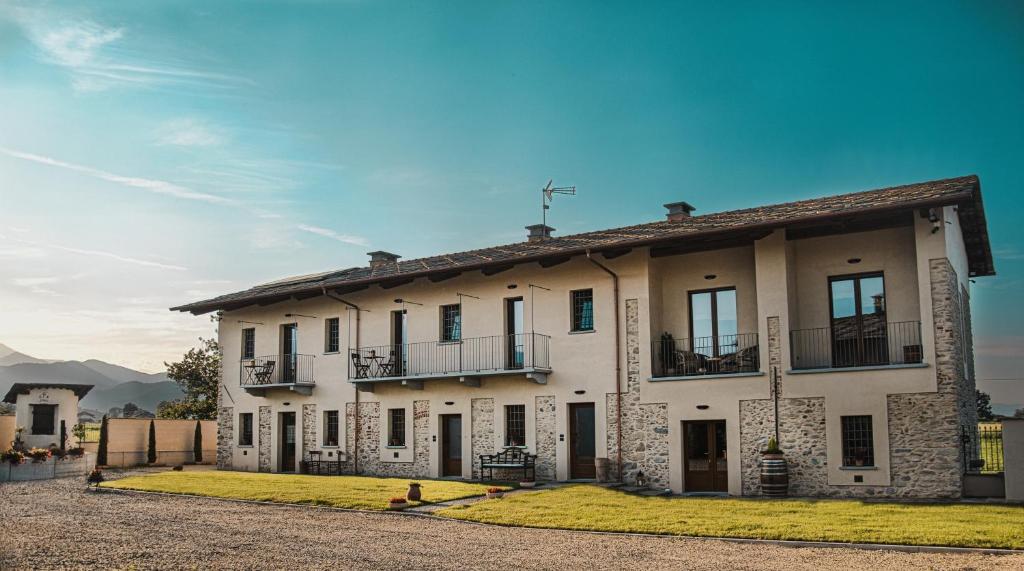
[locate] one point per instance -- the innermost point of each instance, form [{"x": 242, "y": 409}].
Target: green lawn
[
  {"x": 355, "y": 492},
  {"x": 600, "y": 509}
]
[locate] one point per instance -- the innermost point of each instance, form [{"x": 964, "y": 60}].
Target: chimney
[
  {"x": 380, "y": 259},
  {"x": 538, "y": 232},
  {"x": 678, "y": 211}
]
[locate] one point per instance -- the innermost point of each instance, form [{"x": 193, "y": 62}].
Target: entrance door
[
  {"x": 451, "y": 445},
  {"x": 582, "y": 447},
  {"x": 287, "y": 441},
  {"x": 706, "y": 466},
  {"x": 289, "y": 350},
  {"x": 514, "y": 333},
  {"x": 399, "y": 330}
]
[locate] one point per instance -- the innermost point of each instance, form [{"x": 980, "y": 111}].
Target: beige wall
[
  {"x": 67, "y": 410},
  {"x": 7, "y": 426},
  {"x": 132, "y": 435}
]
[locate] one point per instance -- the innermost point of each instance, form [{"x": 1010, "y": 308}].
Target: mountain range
[{"x": 113, "y": 385}]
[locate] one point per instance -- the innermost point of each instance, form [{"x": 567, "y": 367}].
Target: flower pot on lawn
[
  {"x": 397, "y": 503},
  {"x": 494, "y": 493},
  {"x": 528, "y": 484},
  {"x": 414, "y": 494}
]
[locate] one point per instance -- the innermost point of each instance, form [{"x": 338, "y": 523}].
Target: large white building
[{"x": 675, "y": 348}]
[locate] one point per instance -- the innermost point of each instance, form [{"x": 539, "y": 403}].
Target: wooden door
[
  {"x": 451, "y": 445},
  {"x": 289, "y": 350},
  {"x": 287, "y": 442},
  {"x": 706, "y": 465},
  {"x": 515, "y": 336},
  {"x": 582, "y": 444}
]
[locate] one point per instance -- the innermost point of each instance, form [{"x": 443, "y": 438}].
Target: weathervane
[{"x": 548, "y": 192}]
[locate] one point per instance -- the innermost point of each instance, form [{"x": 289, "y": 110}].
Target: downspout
[
  {"x": 618, "y": 364},
  {"x": 355, "y": 435}
]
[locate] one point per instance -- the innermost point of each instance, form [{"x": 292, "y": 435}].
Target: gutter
[
  {"x": 355, "y": 435},
  {"x": 618, "y": 365}
]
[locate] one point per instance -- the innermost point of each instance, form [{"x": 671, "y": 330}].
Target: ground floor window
[
  {"x": 515, "y": 425},
  {"x": 396, "y": 427},
  {"x": 858, "y": 444},
  {"x": 43, "y": 416},
  {"x": 245, "y": 429},
  {"x": 331, "y": 428}
]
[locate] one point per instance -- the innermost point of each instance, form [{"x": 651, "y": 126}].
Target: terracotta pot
[
  {"x": 414, "y": 492},
  {"x": 397, "y": 505},
  {"x": 494, "y": 495}
]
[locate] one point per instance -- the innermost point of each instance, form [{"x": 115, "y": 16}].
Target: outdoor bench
[{"x": 510, "y": 458}]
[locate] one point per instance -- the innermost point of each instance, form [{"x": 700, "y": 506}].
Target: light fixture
[
  {"x": 853, "y": 261},
  {"x": 710, "y": 277},
  {"x": 702, "y": 407},
  {"x": 511, "y": 286},
  {"x": 580, "y": 392},
  {"x": 449, "y": 403}
]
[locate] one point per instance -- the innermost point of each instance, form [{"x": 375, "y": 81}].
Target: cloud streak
[
  {"x": 328, "y": 233},
  {"x": 96, "y": 253},
  {"x": 189, "y": 132}
]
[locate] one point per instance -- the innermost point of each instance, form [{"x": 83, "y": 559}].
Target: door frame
[
  {"x": 719, "y": 481},
  {"x": 572, "y": 439},
  {"x": 443, "y": 471}
]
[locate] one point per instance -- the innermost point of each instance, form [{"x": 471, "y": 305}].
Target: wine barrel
[{"x": 774, "y": 475}]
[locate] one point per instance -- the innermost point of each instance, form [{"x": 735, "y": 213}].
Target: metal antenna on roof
[{"x": 548, "y": 193}]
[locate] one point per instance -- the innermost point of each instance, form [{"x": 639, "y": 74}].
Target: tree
[
  {"x": 198, "y": 374},
  {"x": 197, "y": 443},
  {"x": 79, "y": 432},
  {"x": 984, "y": 405},
  {"x": 151, "y": 454},
  {"x": 101, "y": 452},
  {"x": 130, "y": 410}
]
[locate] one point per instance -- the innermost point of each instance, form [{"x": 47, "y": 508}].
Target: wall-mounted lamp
[
  {"x": 702, "y": 407},
  {"x": 511, "y": 286},
  {"x": 580, "y": 392},
  {"x": 853, "y": 261},
  {"x": 449, "y": 403},
  {"x": 710, "y": 277}
]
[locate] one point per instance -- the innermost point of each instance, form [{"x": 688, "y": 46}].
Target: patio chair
[
  {"x": 362, "y": 367},
  {"x": 264, "y": 372}
]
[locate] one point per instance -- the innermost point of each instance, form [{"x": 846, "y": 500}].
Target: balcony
[
  {"x": 851, "y": 343},
  {"x": 277, "y": 372},
  {"x": 722, "y": 355},
  {"x": 467, "y": 360}
]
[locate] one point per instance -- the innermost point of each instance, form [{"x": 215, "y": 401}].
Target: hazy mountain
[
  {"x": 70, "y": 372},
  {"x": 124, "y": 374},
  {"x": 146, "y": 395},
  {"x": 9, "y": 356}
]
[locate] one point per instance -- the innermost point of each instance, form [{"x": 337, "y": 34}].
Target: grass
[
  {"x": 595, "y": 508},
  {"x": 353, "y": 492}
]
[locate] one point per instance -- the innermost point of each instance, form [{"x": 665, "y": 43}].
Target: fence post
[{"x": 1013, "y": 458}]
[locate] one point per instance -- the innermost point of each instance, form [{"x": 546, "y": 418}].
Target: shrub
[
  {"x": 12, "y": 457},
  {"x": 197, "y": 443},
  {"x": 39, "y": 454},
  {"x": 101, "y": 453},
  {"x": 95, "y": 477},
  {"x": 77, "y": 452},
  {"x": 151, "y": 453}
]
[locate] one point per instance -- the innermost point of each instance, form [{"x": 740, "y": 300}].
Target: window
[
  {"x": 245, "y": 429},
  {"x": 249, "y": 343},
  {"x": 858, "y": 446},
  {"x": 582, "y": 310},
  {"x": 43, "y": 416},
  {"x": 515, "y": 425},
  {"x": 859, "y": 330},
  {"x": 451, "y": 322},
  {"x": 331, "y": 428},
  {"x": 396, "y": 427},
  {"x": 331, "y": 339},
  {"x": 713, "y": 323}
]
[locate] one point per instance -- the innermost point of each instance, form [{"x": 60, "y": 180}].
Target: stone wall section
[
  {"x": 482, "y": 426},
  {"x": 651, "y": 448},
  {"x": 546, "y": 437},
  {"x": 265, "y": 454},
  {"x": 369, "y": 421},
  {"x": 225, "y": 437},
  {"x": 309, "y": 423}
]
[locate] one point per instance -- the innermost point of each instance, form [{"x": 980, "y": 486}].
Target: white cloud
[
  {"x": 189, "y": 132},
  {"x": 149, "y": 185},
  {"x": 328, "y": 233},
  {"x": 27, "y": 282},
  {"x": 93, "y": 253}
]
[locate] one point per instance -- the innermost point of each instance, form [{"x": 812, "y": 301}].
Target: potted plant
[
  {"x": 774, "y": 470},
  {"x": 39, "y": 454},
  {"x": 493, "y": 493},
  {"x": 95, "y": 478},
  {"x": 12, "y": 457},
  {"x": 57, "y": 453},
  {"x": 397, "y": 503},
  {"x": 414, "y": 494},
  {"x": 528, "y": 484},
  {"x": 76, "y": 452}
]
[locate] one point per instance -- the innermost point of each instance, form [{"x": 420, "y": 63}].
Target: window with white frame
[{"x": 331, "y": 335}]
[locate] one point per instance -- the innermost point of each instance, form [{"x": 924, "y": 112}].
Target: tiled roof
[
  {"x": 23, "y": 389},
  {"x": 963, "y": 191}
]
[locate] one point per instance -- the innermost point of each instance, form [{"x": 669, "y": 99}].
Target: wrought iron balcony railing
[
  {"x": 276, "y": 370},
  {"x": 720, "y": 355},
  {"x": 852, "y": 343},
  {"x": 477, "y": 355}
]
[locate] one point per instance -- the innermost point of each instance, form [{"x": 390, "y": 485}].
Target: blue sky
[{"x": 154, "y": 153}]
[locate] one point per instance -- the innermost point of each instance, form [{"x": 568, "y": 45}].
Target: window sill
[
  {"x": 330, "y": 446},
  {"x": 332, "y": 352},
  {"x": 245, "y": 446},
  {"x": 855, "y": 369},
  {"x": 396, "y": 447},
  {"x": 583, "y": 332},
  {"x": 858, "y": 468},
  {"x": 507, "y": 447},
  {"x": 705, "y": 377}
]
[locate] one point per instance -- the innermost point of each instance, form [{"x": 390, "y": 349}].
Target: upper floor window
[
  {"x": 515, "y": 425},
  {"x": 331, "y": 428},
  {"x": 249, "y": 343},
  {"x": 331, "y": 335},
  {"x": 858, "y": 325},
  {"x": 713, "y": 322},
  {"x": 245, "y": 429},
  {"x": 858, "y": 441},
  {"x": 396, "y": 427},
  {"x": 451, "y": 322},
  {"x": 582, "y": 309}
]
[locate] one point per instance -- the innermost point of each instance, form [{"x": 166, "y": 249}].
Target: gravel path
[{"x": 56, "y": 524}]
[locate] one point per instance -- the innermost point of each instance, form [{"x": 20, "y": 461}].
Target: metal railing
[
  {"x": 276, "y": 370},
  {"x": 705, "y": 355},
  {"x": 472, "y": 355},
  {"x": 852, "y": 344},
  {"x": 982, "y": 447}
]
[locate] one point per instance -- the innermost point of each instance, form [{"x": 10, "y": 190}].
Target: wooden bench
[{"x": 511, "y": 459}]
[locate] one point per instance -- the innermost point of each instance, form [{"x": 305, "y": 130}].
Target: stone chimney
[
  {"x": 538, "y": 232},
  {"x": 678, "y": 211},
  {"x": 379, "y": 259}
]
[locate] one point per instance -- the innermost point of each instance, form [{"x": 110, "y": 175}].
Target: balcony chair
[{"x": 362, "y": 368}]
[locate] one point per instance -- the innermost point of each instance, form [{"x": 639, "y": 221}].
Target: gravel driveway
[{"x": 56, "y": 524}]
